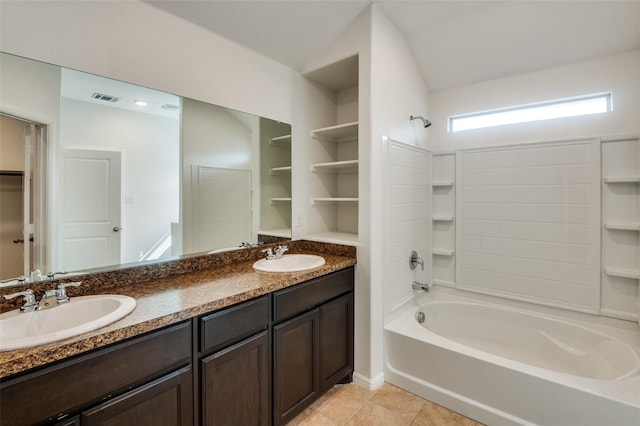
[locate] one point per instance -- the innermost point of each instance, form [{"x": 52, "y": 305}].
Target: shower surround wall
[
  {"x": 528, "y": 223},
  {"x": 409, "y": 174}
]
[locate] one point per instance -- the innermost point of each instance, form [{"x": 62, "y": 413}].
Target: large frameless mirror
[{"x": 96, "y": 173}]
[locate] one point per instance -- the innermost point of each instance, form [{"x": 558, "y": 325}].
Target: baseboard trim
[{"x": 371, "y": 384}]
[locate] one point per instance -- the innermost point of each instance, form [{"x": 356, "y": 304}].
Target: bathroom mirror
[{"x": 113, "y": 173}]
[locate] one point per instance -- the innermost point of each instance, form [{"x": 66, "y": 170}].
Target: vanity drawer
[
  {"x": 291, "y": 301},
  {"x": 227, "y": 326},
  {"x": 71, "y": 385}
]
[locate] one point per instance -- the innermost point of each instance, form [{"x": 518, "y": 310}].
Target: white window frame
[{"x": 595, "y": 103}]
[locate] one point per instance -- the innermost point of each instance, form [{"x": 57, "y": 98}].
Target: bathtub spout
[{"x": 419, "y": 286}]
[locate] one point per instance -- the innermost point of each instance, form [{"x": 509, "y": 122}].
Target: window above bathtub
[{"x": 559, "y": 108}]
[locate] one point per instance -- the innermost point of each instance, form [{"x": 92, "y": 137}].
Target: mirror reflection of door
[
  {"x": 21, "y": 196},
  {"x": 90, "y": 221}
]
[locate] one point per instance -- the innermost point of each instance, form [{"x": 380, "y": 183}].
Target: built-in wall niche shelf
[
  {"x": 620, "y": 226},
  {"x": 280, "y": 170},
  {"x": 623, "y": 273},
  {"x": 281, "y": 233},
  {"x": 328, "y": 200},
  {"x": 442, "y": 252},
  {"x": 442, "y": 184},
  {"x": 282, "y": 141},
  {"x": 280, "y": 200},
  {"x": 444, "y": 283},
  {"x": 442, "y": 218},
  {"x": 335, "y": 166},
  {"x": 334, "y": 237},
  {"x": 340, "y": 133},
  {"x": 622, "y": 179}
]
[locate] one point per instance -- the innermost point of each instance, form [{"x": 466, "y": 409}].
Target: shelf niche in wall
[
  {"x": 621, "y": 228},
  {"x": 334, "y": 158}
]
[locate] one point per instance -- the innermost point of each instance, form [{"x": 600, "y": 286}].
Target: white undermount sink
[
  {"x": 80, "y": 315},
  {"x": 289, "y": 263}
]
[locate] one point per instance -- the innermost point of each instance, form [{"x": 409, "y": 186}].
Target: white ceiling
[{"x": 454, "y": 42}]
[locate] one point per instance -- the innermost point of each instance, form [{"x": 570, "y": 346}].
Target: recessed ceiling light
[{"x": 140, "y": 103}]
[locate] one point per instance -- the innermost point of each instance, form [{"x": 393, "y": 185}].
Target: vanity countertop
[{"x": 169, "y": 300}]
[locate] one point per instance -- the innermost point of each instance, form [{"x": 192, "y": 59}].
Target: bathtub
[{"x": 508, "y": 363}]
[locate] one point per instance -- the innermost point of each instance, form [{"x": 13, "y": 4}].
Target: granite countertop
[{"x": 169, "y": 300}]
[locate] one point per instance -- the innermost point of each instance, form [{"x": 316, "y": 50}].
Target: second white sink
[
  {"x": 289, "y": 263},
  {"x": 81, "y": 315}
]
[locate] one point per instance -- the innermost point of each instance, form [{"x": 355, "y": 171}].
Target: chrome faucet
[
  {"x": 270, "y": 255},
  {"x": 275, "y": 254},
  {"x": 57, "y": 296},
  {"x": 280, "y": 251},
  {"x": 419, "y": 286},
  {"x": 414, "y": 259},
  {"x": 50, "y": 299},
  {"x": 30, "y": 303}
]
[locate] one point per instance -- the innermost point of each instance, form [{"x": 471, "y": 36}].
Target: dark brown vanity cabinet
[
  {"x": 259, "y": 362},
  {"x": 313, "y": 341},
  {"x": 119, "y": 384},
  {"x": 235, "y": 365}
]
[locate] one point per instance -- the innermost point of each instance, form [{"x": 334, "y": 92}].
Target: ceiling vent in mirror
[
  {"x": 170, "y": 107},
  {"x": 103, "y": 97}
]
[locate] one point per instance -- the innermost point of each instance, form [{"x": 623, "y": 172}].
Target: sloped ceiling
[{"x": 455, "y": 43}]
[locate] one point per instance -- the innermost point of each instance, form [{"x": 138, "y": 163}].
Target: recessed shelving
[
  {"x": 620, "y": 167},
  {"x": 334, "y": 154},
  {"x": 282, "y": 141},
  {"x": 280, "y": 170},
  {"x": 622, "y": 272},
  {"x": 444, "y": 283},
  {"x": 442, "y": 184},
  {"x": 281, "y": 233},
  {"x": 350, "y": 165},
  {"x": 339, "y": 133},
  {"x": 334, "y": 237},
  {"x": 622, "y": 226},
  {"x": 280, "y": 200},
  {"x": 622, "y": 179},
  {"x": 442, "y": 252},
  {"x": 334, "y": 200}
]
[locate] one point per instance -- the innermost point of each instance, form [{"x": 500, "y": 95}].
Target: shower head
[{"x": 426, "y": 122}]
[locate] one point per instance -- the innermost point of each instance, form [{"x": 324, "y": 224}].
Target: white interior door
[{"x": 90, "y": 223}]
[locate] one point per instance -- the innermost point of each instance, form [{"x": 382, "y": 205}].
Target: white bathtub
[{"x": 501, "y": 364}]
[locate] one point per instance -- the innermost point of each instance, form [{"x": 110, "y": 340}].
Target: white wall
[
  {"x": 617, "y": 73},
  {"x": 151, "y": 147},
  {"x": 397, "y": 92}
]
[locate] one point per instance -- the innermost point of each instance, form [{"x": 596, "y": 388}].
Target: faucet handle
[
  {"x": 61, "y": 292},
  {"x": 280, "y": 251},
  {"x": 21, "y": 280},
  {"x": 269, "y": 252},
  {"x": 30, "y": 303}
]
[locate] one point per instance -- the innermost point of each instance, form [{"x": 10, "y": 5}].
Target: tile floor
[{"x": 352, "y": 405}]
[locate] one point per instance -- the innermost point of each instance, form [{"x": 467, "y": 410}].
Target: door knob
[{"x": 116, "y": 229}]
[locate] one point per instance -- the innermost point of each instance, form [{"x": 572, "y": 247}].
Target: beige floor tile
[
  {"x": 398, "y": 400},
  {"x": 317, "y": 419},
  {"x": 388, "y": 406},
  {"x": 358, "y": 391},
  {"x": 301, "y": 417},
  {"x": 344, "y": 405},
  {"x": 434, "y": 415},
  {"x": 372, "y": 414}
]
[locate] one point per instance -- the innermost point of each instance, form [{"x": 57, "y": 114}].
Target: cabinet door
[
  {"x": 296, "y": 365},
  {"x": 165, "y": 401},
  {"x": 235, "y": 384},
  {"x": 336, "y": 341}
]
